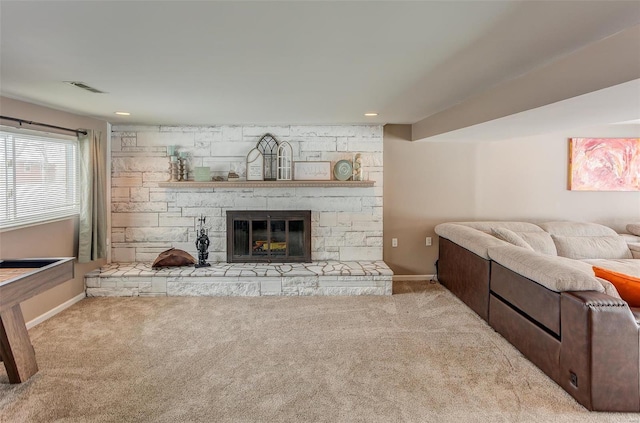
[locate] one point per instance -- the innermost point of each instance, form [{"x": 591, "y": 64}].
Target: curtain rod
[{"x": 30, "y": 122}]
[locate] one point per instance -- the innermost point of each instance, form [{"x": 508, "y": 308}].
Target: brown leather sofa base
[
  {"x": 587, "y": 342},
  {"x": 534, "y": 300},
  {"x": 600, "y": 345},
  {"x": 595, "y": 358},
  {"x": 466, "y": 275},
  {"x": 541, "y": 348}
]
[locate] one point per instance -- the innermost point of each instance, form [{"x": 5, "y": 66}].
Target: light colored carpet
[{"x": 418, "y": 356}]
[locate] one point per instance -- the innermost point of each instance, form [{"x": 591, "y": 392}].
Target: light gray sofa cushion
[
  {"x": 626, "y": 266},
  {"x": 473, "y": 240},
  {"x": 566, "y": 228},
  {"x": 540, "y": 242},
  {"x": 555, "y": 273},
  {"x": 630, "y": 238},
  {"x": 487, "y": 226},
  {"x": 634, "y": 228},
  {"x": 635, "y": 249},
  {"x": 592, "y": 247},
  {"x": 586, "y": 240},
  {"x": 476, "y": 236},
  {"x": 510, "y": 237},
  {"x": 609, "y": 288}
]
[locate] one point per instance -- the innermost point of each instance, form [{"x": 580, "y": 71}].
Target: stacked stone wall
[{"x": 147, "y": 219}]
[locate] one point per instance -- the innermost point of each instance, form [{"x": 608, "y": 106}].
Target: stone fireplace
[
  {"x": 149, "y": 215},
  {"x": 146, "y": 219},
  {"x": 282, "y": 236}
]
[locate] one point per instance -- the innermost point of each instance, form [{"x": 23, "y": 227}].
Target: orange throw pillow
[{"x": 628, "y": 287}]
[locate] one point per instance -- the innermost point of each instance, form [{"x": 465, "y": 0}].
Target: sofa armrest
[
  {"x": 471, "y": 239},
  {"x": 599, "y": 300},
  {"x": 555, "y": 273},
  {"x": 599, "y": 358}
]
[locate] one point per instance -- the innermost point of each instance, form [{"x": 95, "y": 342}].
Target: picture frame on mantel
[
  {"x": 311, "y": 171},
  {"x": 255, "y": 165}
]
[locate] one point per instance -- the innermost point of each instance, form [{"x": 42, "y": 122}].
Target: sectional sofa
[{"x": 535, "y": 285}]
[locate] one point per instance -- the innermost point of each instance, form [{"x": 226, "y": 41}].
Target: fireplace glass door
[{"x": 268, "y": 236}]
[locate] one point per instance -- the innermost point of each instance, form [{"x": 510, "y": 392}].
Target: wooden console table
[{"x": 20, "y": 280}]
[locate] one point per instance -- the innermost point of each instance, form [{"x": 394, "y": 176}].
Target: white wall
[{"x": 514, "y": 179}]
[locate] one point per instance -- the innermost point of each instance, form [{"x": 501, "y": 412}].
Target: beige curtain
[{"x": 93, "y": 222}]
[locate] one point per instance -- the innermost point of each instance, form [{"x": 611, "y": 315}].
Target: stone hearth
[{"x": 242, "y": 279}]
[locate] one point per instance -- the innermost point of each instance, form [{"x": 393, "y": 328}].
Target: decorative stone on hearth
[
  {"x": 268, "y": 146},
  {"x": 285, "y": 155}
]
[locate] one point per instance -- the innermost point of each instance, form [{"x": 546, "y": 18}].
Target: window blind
[{"x": 39, "y": 177}]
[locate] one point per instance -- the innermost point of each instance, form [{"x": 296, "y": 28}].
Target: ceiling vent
[{"x": 84, "y": 87}]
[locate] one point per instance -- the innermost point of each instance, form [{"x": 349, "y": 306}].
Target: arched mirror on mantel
[{"x": 268, "y": 146}]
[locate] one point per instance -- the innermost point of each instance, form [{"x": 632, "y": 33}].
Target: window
[{"x": 39, "y": 177}]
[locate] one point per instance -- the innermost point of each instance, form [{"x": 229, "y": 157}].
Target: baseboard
[
  {"x": 55, "y": 310},
  {"x": 414, "y": 277}
]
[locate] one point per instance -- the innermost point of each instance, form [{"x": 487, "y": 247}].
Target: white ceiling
[{"x": 299, "y": 62}]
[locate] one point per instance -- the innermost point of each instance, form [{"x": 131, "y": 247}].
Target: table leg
[{"x": 15, "y": 346}]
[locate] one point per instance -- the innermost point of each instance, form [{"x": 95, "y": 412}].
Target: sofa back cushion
[
  {"x": 634, "y": 228},
  {"x": 511, "y": 237},
  {"x": 635, "y": 249},
  {"x": 476, "y": 236},
  {"x": 540, "y": 242},
  {"x": 528, "y": 233},
  {"x": 555, "y": 273},
  {"x": 568, "y": 228},
  {"x": 592, "y": 247},
  {"x": 583, "y": 240},
  {"x": 488, "y": 226}
]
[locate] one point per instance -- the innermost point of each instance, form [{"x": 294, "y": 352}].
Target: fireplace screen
[{"x": 269, "y": 236}]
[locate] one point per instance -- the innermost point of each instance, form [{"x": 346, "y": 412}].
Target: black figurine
[{"x": 202, "y": 244}]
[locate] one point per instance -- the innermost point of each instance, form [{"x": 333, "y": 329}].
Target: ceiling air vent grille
[{"x": 84, "y": 87}]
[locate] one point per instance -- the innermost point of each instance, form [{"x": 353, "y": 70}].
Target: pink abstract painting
[{"x": 604, "y": 164}]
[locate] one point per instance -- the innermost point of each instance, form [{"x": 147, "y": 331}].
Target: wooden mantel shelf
[{"x": 268, "y": 184}]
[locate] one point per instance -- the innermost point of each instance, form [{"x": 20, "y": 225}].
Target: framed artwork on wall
[{"x": 604, "y": 164}]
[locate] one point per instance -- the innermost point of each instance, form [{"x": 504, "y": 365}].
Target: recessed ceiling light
[
  {"x": 371, "y": 114},
  {"x": 123, "y": 113}
]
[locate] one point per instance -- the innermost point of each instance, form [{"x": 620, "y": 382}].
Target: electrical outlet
[
  {"x": 428, "y": 241},
  {"x": 394, "y": 242},
  {"x": 573, "y": 379}
]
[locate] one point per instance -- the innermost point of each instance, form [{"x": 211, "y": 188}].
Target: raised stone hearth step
[{"x": 242, "y": 279}]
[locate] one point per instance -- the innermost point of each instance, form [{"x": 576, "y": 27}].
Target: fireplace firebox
[{"x": 269, "y": 236}]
